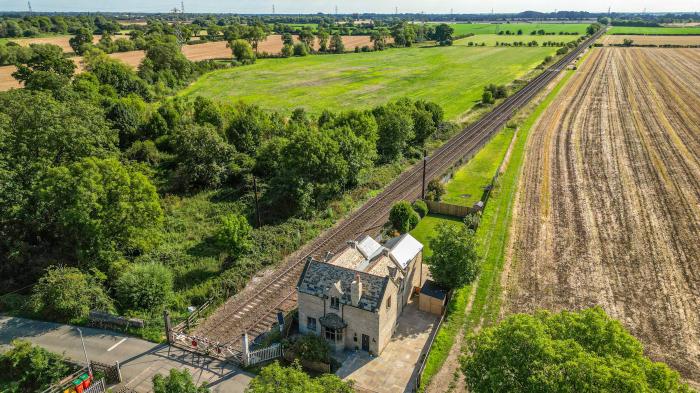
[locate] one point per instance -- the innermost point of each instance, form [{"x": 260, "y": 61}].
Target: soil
[
  {"x": 687, "y": 40},
  {"x": 609, "y": 201}
]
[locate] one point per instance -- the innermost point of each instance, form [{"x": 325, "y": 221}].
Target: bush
[
  {"x": 66, "y": 293},
  {"x": 402, "y": 217},
  {"x": 421, "y": 208},
  {"x": 454, "y": 262},
  {"x": 177, "y": 382},
  {"x": 435, "y": 190},
  {"x": 300, "y": 49},
  {"x": 584, "y": 351},
  {"x": 275, "y": 378},
  {"x": 28, "y": 368},
  {"x": 144, "y": 286},
  {"x": 234, "y": 235},
  {"x": 310, "y": 348},
  {"x": 143, "y": 151},
  {"x": 487, "y": 98}
]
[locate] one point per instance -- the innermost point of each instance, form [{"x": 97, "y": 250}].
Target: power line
[{"x": 29, "y": 5}]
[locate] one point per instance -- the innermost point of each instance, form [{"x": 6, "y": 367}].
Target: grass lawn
[
  {"x": 655, "y": 30},
  {"x": 527, "y": 28},
  {"x": 426, "y": 229},
  {"x": 468, "y": 182},
  {"x": 492, "y": 39},
  {"x": 453, "y": 77}
]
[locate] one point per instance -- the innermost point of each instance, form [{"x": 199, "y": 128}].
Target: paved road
[{"x": 140, "y": 360}]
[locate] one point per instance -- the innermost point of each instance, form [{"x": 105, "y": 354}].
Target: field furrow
[{"x": 609, "y": 210}]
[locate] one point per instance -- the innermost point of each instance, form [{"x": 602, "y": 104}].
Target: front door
[{"x": 365, "y": 342}]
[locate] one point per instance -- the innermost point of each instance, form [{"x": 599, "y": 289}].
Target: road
[{"x": 140, "y": 360}]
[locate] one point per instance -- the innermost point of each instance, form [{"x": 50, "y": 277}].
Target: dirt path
[{"x": 609, "y": 210}]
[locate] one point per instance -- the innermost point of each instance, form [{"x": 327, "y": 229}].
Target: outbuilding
[{"x": 432, "y": 298}]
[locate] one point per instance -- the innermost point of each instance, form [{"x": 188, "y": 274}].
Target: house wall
[{"x": 388, "y": 316}]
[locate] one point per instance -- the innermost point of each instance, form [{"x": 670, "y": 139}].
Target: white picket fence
[{"x": 274, "y": 351}]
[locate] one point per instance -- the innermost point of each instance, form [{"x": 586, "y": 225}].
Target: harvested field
[
  {"x": 608, "y": 211},
  {"x": 59, "y": 40},
  {"x": 684, "y": 40}
]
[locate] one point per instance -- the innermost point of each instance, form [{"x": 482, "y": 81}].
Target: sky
[{"x": 350, "y": 6}]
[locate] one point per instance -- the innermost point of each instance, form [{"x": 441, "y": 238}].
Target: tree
[
  {"x": 402, "y": 217},
  {"x": 254, "y": 35},
  {"x": 395, "y": 130},
  {"x": 306, "y": 36},
  {"x": 234, "y": 235},
  {"x": 287, "y": 39},
  {"x": 249, "y": 126},
  {"x": 275, "y": 378},
  {"x": 337, "y": 45},
  {"x": 627, "y": 42},
  {"x": 443, "y": 34},
  {"x": 242, "y": 51},
  {"x": 165, "y": 63},
  {"x": 45, "y": 58},
  {"x": 177, "y": 382},
  {"x": 287, "y": 50},
  {"x": 454, "y": 262},
  {"x": 81, "y": 41},
  {"x": 96, "y": 210},
  {"x": 583, "y": 351},
  {"x": 358, "y": 152},
  {"x": 127, "y": 115},
  {"x": 300, "y": 49},
  {"x": 487, "y": 98},
  {"x": 144, "y": 286},
  {"x": 207, "y": 112},
  {"x": 323, "y": 36},
  {"x": 115, "y": 73},
  {"x": 28, "y": 368},
  {"x": 67, "y": 293},
  {"x": 203, "y": 158},
  {"x": 423, "y": 126},
  {"x": 379, "y": 37},
  {"x": 435, "y": 190}
]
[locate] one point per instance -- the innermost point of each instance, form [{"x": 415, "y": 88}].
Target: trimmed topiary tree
[{"x": 402, "y": 217}]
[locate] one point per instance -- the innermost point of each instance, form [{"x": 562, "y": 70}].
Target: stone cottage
[{"x": 354, "y": 298}]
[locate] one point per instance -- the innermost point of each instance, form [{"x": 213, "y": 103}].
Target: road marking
[{"x": 115, "y": 345}]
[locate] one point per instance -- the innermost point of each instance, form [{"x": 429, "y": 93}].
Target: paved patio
[{"x": 394, "y": 370}]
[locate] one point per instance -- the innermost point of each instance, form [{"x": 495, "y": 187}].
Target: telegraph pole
[
  {"x": 257, "y": 206},
  {"x": 425, "y": 164}
]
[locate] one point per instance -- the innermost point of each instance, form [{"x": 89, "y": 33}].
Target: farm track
[
  {"x": 609, "y": 206},
  {"x": 253, "y": 310}
]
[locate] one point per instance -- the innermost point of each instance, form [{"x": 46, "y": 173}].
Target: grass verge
[{"x": 493, "y": 236}]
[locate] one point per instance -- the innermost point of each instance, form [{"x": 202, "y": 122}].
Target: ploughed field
[
  {"x": 658, "y": 40},
  {"x": 608, "y": 211},
  {"x": 453, "y": 77}
]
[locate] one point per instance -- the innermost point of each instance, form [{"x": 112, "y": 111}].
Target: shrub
[
  {"x": 275, "y": 378},
  {"x": 300, "y": 49},
  {"x": 435, "y": 190},
  {"x": 234, "y": 235},
  {"x": 28, "y": 368},
  {"x": 177, "y": 382},
  {"x": 402, "y": 217},
  {"x": 487, "y": 98},
  {"x": 66, "y": 293},
  {"x": 144, "y": 286},
  {"x": 143, "y": 151},
  {"x": 310, "y": 347},
  {"x": 421, "y": 208},
  {"x": 454, "y": 262},
  {"x": 584, "y": 351}
]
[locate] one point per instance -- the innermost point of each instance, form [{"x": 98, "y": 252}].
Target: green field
[
  {"x": 492, "y": 39},
  {"x": 453, "y": 77},
  {"x": 468, "y": 182},
  {"x": 654, "y": 30},
  {"x": 527, "y": 28}
]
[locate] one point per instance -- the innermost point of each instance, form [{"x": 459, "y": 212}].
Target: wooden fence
[
  {"x": 449, "y": 209},
  {"x": 431, "y": 340}
]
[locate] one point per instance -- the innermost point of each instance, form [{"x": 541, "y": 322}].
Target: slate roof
[{"x": 318, "y": 277}]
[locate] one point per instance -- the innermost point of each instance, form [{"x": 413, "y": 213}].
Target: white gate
[{"x": 274, "y": 351}]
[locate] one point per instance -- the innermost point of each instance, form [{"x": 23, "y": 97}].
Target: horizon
[{"x": 311, "y": 7}]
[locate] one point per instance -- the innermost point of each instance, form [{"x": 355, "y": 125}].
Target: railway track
[{"x": 254, "y": 311}]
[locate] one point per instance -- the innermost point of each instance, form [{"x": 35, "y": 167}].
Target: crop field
[
  {"x": 686, "y": 30},
  {"x": 527, "y": 28},
  {"x": 492, "y": 39},
  {"x": 59, "y": 40},
  {"x": 608, "y": 211},
  {"x": 685, "y": 40},
  {"x": 453, "y": 77}
]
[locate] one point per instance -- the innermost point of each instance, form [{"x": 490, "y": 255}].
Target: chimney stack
[{"x": 356, "y": 290}]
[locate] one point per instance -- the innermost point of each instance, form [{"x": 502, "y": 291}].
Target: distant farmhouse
[{"x": 355, "y": 297}]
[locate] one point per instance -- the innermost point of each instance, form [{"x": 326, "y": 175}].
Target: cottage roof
[
  {"x": 318, "y": 277},
  {"x": 403, "y": 249}
]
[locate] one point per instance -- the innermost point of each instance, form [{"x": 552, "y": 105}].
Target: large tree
[
  {"x": 81, "y": 41},
  {"x": 28, "y": 368},
  {"x": 584, "y": 351},
  {"x": 275, "y": 378},
  {"x": 45, "y": 58},
  {"x": 203, "y": 158},
  {"x": 395, "y": 127},
  {"x": 455, "y": 261},
  {"x": 96, "y": 210}
]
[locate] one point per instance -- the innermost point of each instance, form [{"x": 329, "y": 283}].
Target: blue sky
[{"x": 348, "y": 6}]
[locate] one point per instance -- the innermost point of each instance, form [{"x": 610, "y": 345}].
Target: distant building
[{"x": 354, "y": 298}]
